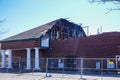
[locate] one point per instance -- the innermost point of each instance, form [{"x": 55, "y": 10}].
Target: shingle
[{"x": 33, "y": 33}]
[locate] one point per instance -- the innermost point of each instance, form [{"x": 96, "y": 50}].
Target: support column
[
  {"x": 3, "y": 58},
  {"x": 9, "y": 58},
  {"x": 28, "y": 65},
  {"x": 37, "y": 67}
]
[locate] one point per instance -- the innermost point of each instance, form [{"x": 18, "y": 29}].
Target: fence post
[
  {"x": 116, "y": 63},
  {"x": 102, "y": 68},
  {"x": 63, "y": 67},
  {"x": 19, "y": 65},
  {"x": 81, "y": 69},
  {"x": 46, "y": 66}
]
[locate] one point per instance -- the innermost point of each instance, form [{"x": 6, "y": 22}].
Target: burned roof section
[{"x": 37, "y": 32}]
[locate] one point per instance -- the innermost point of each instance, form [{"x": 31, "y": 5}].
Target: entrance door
[
  {"x": 70, "y": 62},
  {"x": 117, "y": 61}
]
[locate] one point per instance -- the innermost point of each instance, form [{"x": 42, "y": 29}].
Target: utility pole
[{"x": 99, "y": 30}]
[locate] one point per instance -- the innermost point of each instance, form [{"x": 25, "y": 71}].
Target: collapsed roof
[{"x": 38, "y": 31}]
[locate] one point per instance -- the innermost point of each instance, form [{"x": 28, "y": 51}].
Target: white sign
[
  {"x": 60, "y": 65},
  {"x": 97, "y": 65},
  {"x": 45, "y": 42}
]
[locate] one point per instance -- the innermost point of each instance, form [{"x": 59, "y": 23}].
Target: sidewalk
[{"x": 41, "y": 76}]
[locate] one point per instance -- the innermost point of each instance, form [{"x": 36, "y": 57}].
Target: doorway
[{"x": 71, "y": 62}]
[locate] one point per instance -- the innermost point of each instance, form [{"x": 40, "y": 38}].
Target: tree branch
[
  {"x": 115, "y": 2},
  {"x": 2, "y": 29}
]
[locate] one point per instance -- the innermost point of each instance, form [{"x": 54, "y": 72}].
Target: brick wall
[
  {"x": 20, "y": 44},
  {"x": 103, "y": 45}
]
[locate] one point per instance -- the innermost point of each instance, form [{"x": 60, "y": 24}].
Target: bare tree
[
  {"x": 115, "y": 2},
  {"x": 105, "y": 1},
  {"x": 2, "y": 29}
]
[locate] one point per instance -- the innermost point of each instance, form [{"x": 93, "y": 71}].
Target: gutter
[{"x": 20, "y": 40}]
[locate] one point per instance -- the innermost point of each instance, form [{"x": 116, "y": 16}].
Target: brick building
[
  {"x": 59, "y": 39},
  {"x": 36, "y": 43}
]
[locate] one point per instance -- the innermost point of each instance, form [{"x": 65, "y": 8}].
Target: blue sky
[{"x": 22, "y": 15}]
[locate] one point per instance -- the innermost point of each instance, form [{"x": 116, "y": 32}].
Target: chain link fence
[
  {"x": 80, "y": 67},
  {"x": 74, "y": 68}
]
